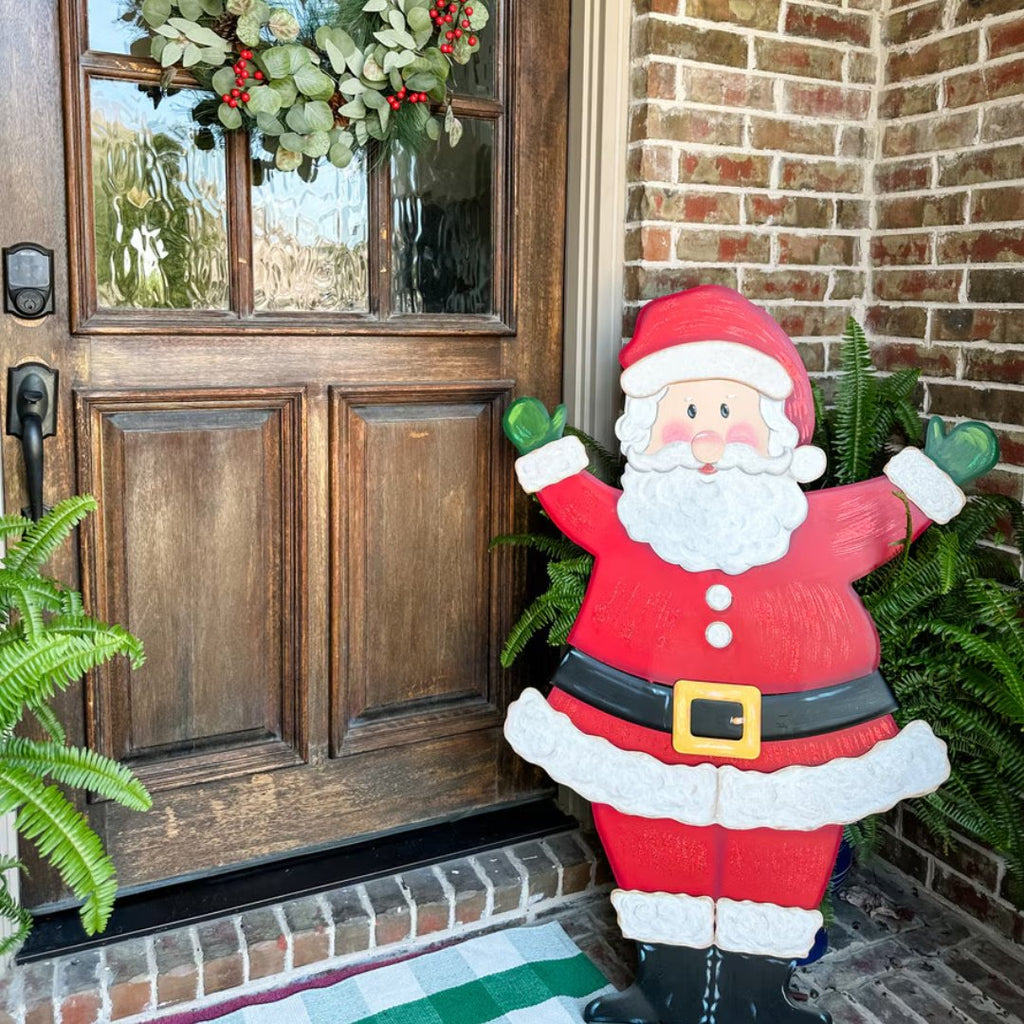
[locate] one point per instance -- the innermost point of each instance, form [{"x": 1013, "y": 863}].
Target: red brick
[
  {"x": 810, "y": 321},
  {"x": 650, "y": 162},
  {"x": 802, "y": 136},
  {"x": 702, "y": 168},
  {"x": 1006, "y": 38},
  {"x": 723, "y": 247},
  {"x": 993, "y": 404},
  {"x": 1001, "y": 327},
  {"x": 687, "y": 42},
  {"x": 723, "y": 88},
  {"x": 686, "y": 125},
  {"x": 83, "y": 1008},
  {"x": 1003, "y": 163},
  {"x": 975, "y": 10},
  {"x": 986, "y": 364},
  {"x": 898, "y": 321},
  {"x": 802, "y": 285},
  {"x": 710, "y": 208},
  {"x": 952, "y": 131},
  {"x": 1002, "y": 122},
  {"x": 818, "y": 250},
  {"x": 763, "y": 14},
  {"x": 852, "y": 213},
  {"x": 643, "y": 283},
  {"x": 656, "y": 203},
  {"x": 905, "y": 100},
  {"x": 906, "y": 26},
  {"x": 901, "y": 249},
  {"x": 917, "y": 285},
  {"x": 948, "y": 54},
  {"x": 129, "y": 998},
  {"x": 827, "y": 100},
  {"x": 832, "y": 26},
  {"x": 991, "y": 246},
  {"x": 432, "y": 908},
  {"x": 904, "y": 176},
  {"x": 656, "y": 80},
  {"x": 863, "y": 66},
  {"x": 996, "y": 286},
  {"x": 853, "y": 142},
  {"x": 846, "y": 284},
  {"x": 982, "y": 84},
  {"x": 932, "y": 360},
  {"x": 266, "y": 958},
  {"x": 921, "y": 211},
  {"x": 39, "y": 1014},
  {"x": 649, "y": 243},
  {"x": 989, "y": 204},
  {"x": 789, "y": 211},
  {"x": 822, "y": 176},
  {"x": 793, "y": 58}
]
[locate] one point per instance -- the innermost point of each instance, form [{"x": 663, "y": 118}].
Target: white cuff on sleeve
[
  {"x": 928, "y": 487},
  {"x": 555, "y": 462}
]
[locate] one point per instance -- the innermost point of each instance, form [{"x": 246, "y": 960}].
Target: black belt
[{"x": 784, "y": 716}]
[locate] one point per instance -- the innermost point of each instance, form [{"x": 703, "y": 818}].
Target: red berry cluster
[
  {"x": 444, "y": 14},
  {"x": 403, "y": 95},
  {"x": 242, "y": 79}
]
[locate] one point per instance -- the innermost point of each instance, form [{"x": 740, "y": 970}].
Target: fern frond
[
  {"x": 48, "y": 720},
  {"x": 553, "y": 547},
  {"x": 77, "y": 768},
  {"x": 11, "y": 911},
  {"x": 604, "y": 464},
  {"x": 856, "y": 406},
  {"x": 541, "y": 612},
  {"x": 63, "y": 837},
  {"x": 40, "y": 540},
  {"x": 13, "y": 526}
]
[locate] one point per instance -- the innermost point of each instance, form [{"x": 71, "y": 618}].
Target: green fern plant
[
  {"x": 949, "y": 612},
  {"x": 47, "y": 642}
]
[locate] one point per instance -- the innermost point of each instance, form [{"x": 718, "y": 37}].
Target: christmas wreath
[{"x": 348, "y": 75}]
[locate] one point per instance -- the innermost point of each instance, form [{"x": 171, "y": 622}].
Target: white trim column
[{"x": 596, "y": 212}]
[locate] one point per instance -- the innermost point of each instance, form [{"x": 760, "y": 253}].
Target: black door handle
[{"x": 32, "y": 416}]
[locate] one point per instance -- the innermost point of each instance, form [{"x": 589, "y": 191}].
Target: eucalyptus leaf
[
  {"x": 263, "y": 99},
  {"x": 248, "y": 29},
  {"x": 214, "y": 8},
  {"x": 285, "y": 89},
  {"x": 338, "y": 60},
  {"x": 397, "y": 20},
  {"x": 168, "y": 32},
  {"x": 419, "y": 20},
  {"x": 351, "y": 87},
  {"x": 388, "y": 37},
  {"x": 422, "y": 82},
  {"x": 404, "y": 39},
  {"x": 171, "y": 54},
  {"x": 295, "y": 118},
  {"x": 319, "y": 116},
  {"x": 293, "y": 141},
  {"x": 373, "y": 128},
  {"x": 312, "y": 82},
  {"x": 343, "y": 137},
  {"x": 462, "y": 52},
  {"x": 374, "y": 100},
  {"x": 339, "y": 155},
  {"x": 356, "y": 61},
  {"x": 156, "y": 12},
  {"x": 283, "y": 25},
  {"x": 300, "y": 56},
  {"x": 316, "y": 144},
  {"x": 286, "y": 159},
  {"x": 156, "y": 48},
  {"x": 191, "y": 56},
  {"x": 362, "y": 135},
  {"x": 449, "y": 118},
  {"x": 268, "y": 124},
  {"x": 240, "y": 7},
  {"x": 277, "y": 61},
  {"x": 210, "y": 55},
  {"x": 433, "y": 129},
  {"x": 204, "y": 36},
  {"x": 479, "y": 18},
  {"x": 230, "y": 117},
  {"x": 355, "y": 109},
  {"x": 384, "y": 114},
  {"x": 395, "y": 78},
  {"x": 143, "y": 46},
  {"x": 455, "y": 132},
  {"x": 191, "y": 9},
  {"x": 372, "y": 71},
  {"x": 338, "y": 36},
  {"x": 373, "y": 6}
]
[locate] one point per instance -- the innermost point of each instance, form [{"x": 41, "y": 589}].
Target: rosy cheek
[
  {"x": 676, "y": 430},
  {"x": 742, "y": 433}
]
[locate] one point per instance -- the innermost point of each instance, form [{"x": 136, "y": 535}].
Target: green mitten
[
  {"x": 527, "y": 424},
  {"x": 968, "y": 451}
]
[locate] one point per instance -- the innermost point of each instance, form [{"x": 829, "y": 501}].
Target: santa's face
[{"x": 708, "y": 483}]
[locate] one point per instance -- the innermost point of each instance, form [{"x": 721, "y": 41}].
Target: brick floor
[{"x": 896, "y": 956}]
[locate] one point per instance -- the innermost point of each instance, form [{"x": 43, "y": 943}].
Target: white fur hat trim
[{"x": 707, "y": 360}]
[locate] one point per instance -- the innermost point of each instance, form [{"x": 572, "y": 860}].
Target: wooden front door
[{"x": 286, "y": 396}]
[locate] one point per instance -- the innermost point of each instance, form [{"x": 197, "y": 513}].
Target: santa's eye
[
  {"x": 691, "y": 411},
  {"x": 724, "y": 410}
]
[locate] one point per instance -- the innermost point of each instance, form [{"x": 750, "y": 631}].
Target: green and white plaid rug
[{"x": 520, "y": 976}]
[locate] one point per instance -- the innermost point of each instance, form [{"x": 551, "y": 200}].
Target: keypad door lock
[{"x": 28, "y": 280}]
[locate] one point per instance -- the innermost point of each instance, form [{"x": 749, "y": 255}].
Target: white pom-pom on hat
[{"x": 808, "y": 463}]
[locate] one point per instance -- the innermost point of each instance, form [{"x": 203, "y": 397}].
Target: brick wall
[
  {"x": 836, "y": 156},
  {"x": 947, "y": 252}
]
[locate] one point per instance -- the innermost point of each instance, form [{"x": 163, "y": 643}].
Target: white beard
[{"x": 729, "y": 520}]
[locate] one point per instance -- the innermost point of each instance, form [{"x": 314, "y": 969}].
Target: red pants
[{"x": 787, "y": 868}]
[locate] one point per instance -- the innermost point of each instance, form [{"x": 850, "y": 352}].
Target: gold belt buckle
[{"x": 747, "y": 747}]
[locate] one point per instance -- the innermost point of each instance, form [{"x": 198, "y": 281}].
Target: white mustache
[{"x": 679, "y": 454}]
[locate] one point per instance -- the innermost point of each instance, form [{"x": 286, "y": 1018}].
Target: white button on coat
[
  {"x": 718, "y": 597},
  {"x": 718, "y": 634}
]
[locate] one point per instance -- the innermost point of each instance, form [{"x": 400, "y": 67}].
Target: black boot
[
  {"x": 671, "y": 985},
  {"x": 756, "y": 989}
]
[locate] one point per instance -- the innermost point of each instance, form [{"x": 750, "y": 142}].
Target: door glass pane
[
  {"x": 442, "y": 230},
  {"x": 159, "y": 202},
  {"x": 114, "y": 26},
  {"x": 478, "y": 76},
  {"x": 309, "y": 240}
]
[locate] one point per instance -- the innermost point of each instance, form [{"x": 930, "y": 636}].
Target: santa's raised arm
[{"x": 721, "y": 704}]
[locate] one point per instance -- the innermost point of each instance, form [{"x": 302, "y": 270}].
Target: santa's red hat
[{"x": 713, "y": 332}]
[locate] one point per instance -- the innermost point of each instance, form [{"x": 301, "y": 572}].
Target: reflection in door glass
[
  {"x": 159, "y": 203},
  {"x": 114, "y": 26},
  {"x": 442, "y": 228},
  {"x": 477, "y": 77},
  {"x": 309, "y": 240}
]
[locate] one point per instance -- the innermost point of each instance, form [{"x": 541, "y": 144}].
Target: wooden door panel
[
  {"x": 418, "y": 497},
  {"x": 195, "y": 549}
]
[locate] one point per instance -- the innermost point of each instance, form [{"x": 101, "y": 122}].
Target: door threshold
[{"x": 187, "y": 902}]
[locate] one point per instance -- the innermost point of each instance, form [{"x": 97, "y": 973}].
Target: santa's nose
[{"x": 708, "y": 446}]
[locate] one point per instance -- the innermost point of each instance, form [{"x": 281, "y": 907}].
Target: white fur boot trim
[
  {"x": 628, "y": 780},
  {"x": 672, "y": 919},
  {"x": 765, "y": 929}
]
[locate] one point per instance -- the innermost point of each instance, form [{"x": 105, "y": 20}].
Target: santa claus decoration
[{"x": 721, "y": 704}]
